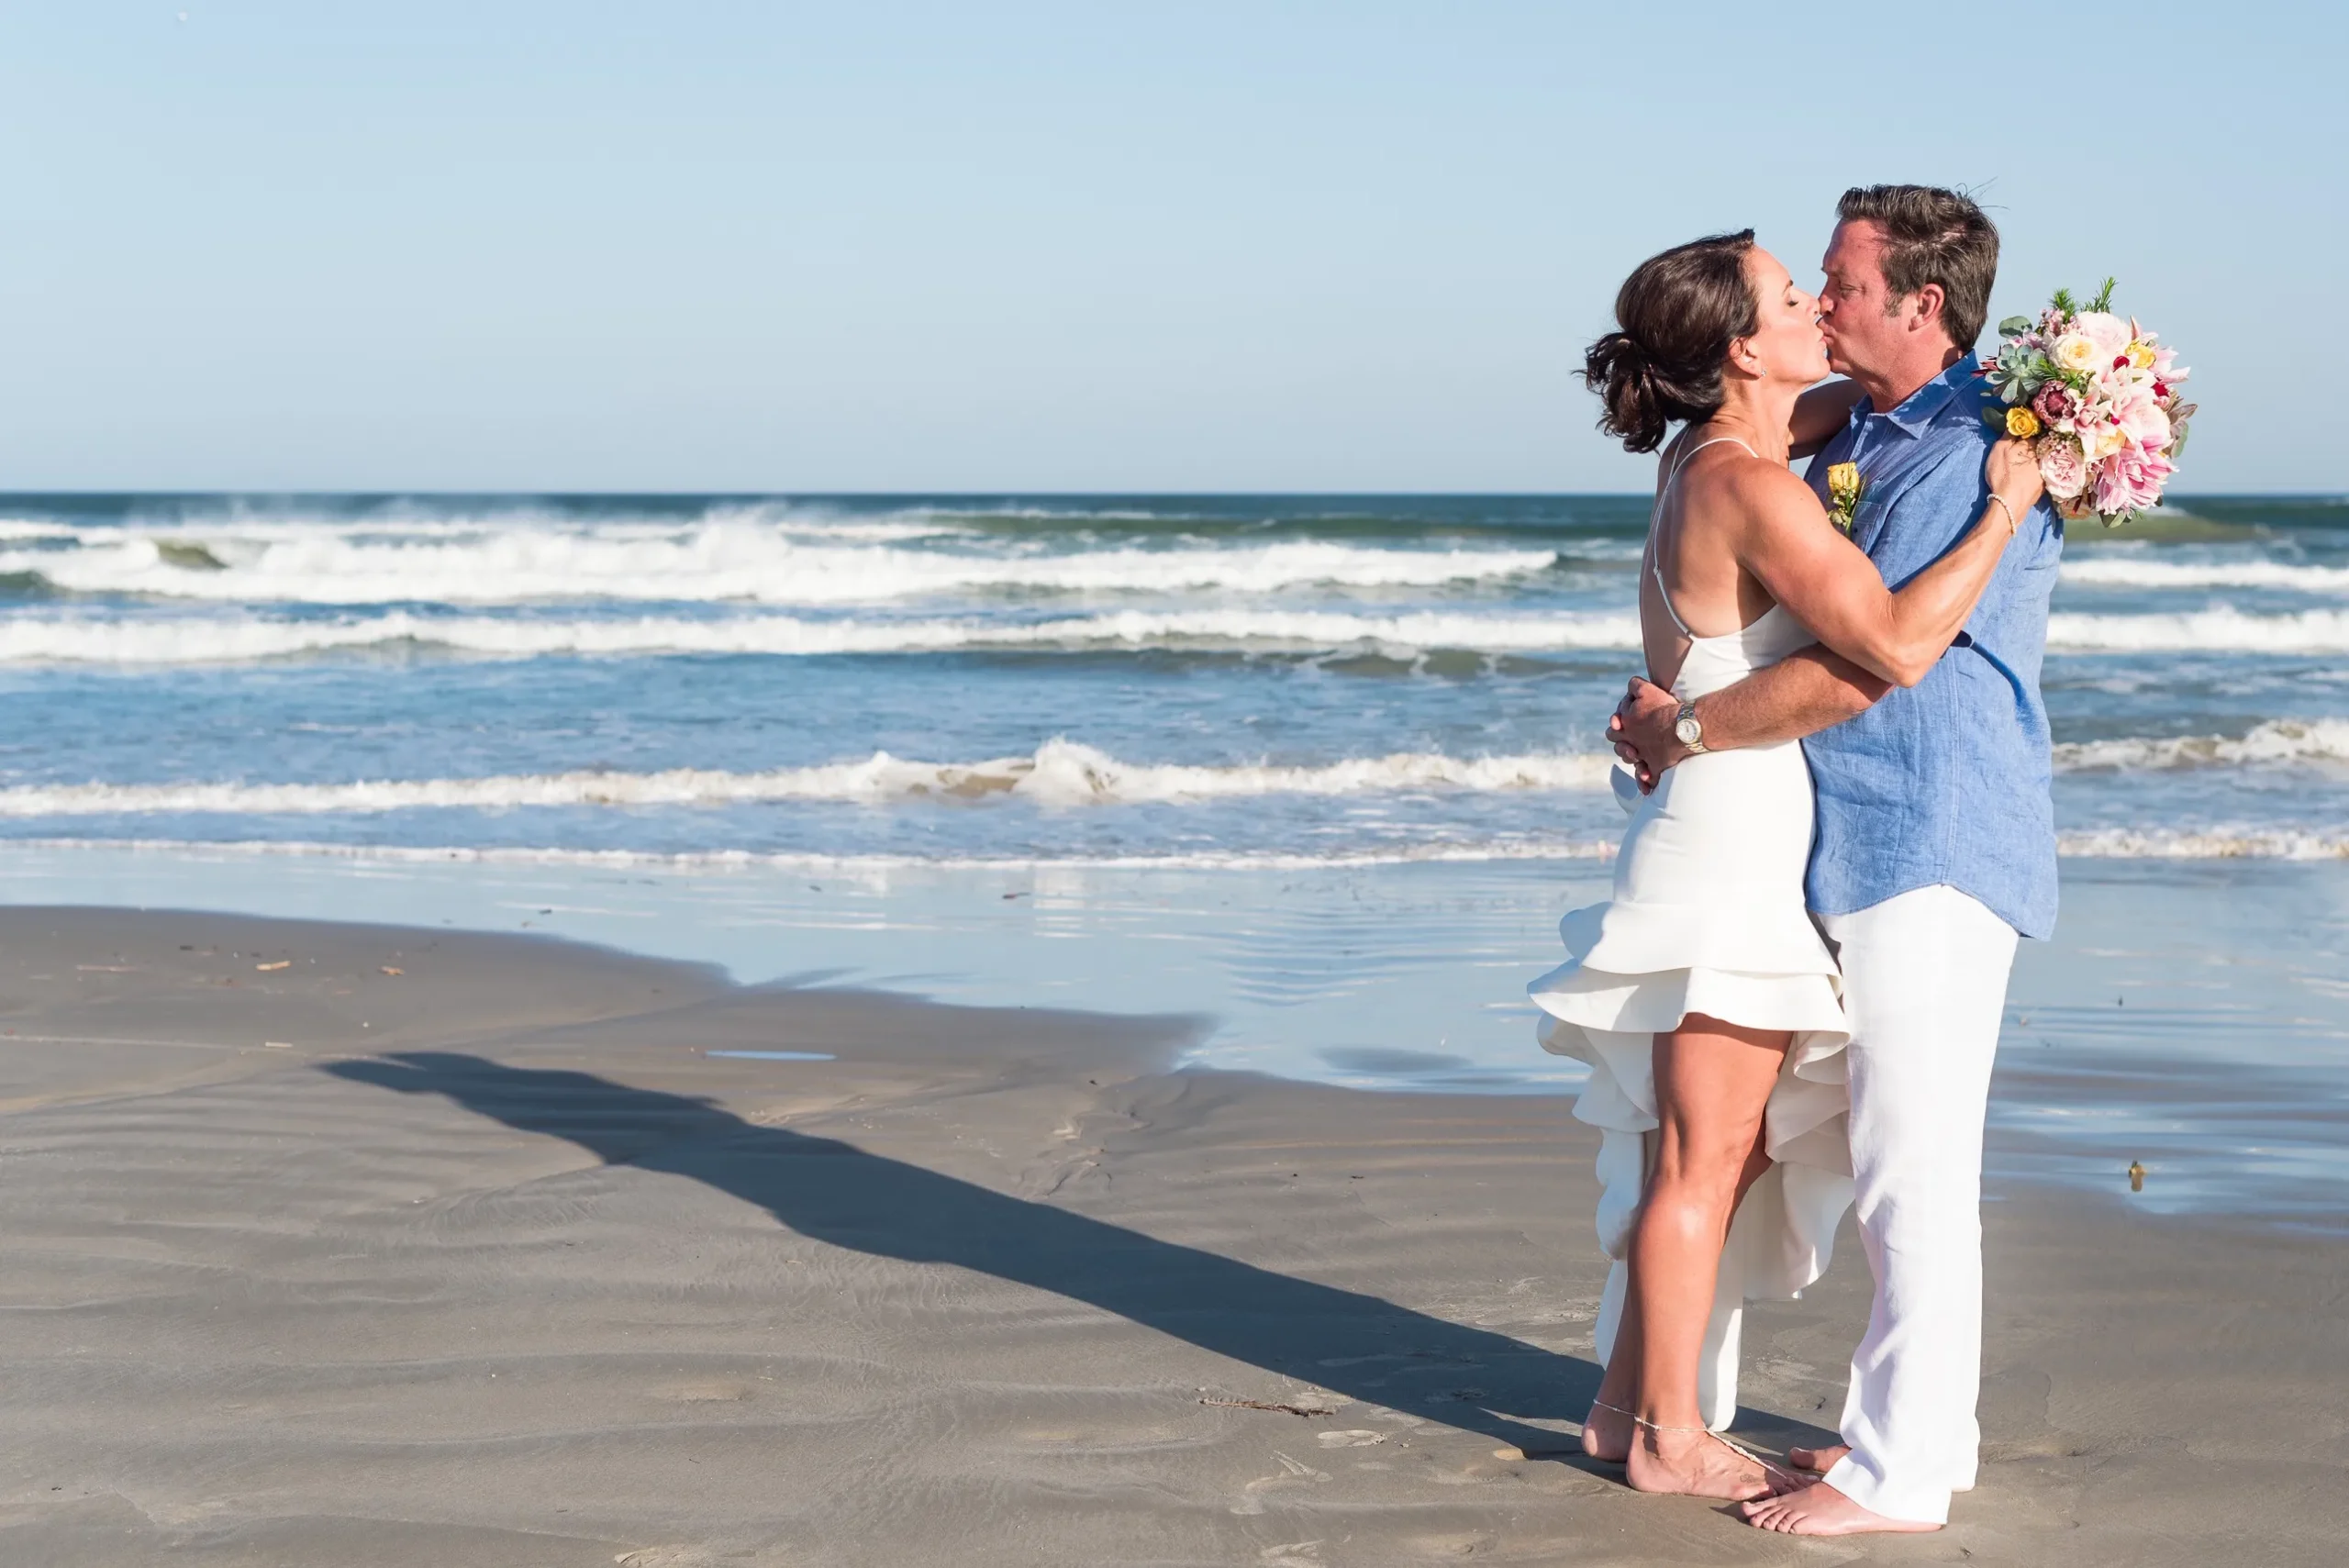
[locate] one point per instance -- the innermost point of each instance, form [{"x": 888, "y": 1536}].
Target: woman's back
[{"x": 1757, "y": 632}]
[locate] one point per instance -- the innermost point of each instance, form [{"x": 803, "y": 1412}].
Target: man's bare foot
[
  {"x": 1607, "y": 1435},
  {"x": 1818, "y": 1461},
  {"x": 1820, "y": 1509},
  {"x": 1699, "y": 1464}
]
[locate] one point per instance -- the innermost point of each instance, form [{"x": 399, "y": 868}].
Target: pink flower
[
  {"x": 2141, "y": 417},
  {"x": 2063, "y": 465},
  {"x": 2107, "y": 332},
  {"x": 2057, "y": 405},
  {"x": 2132, "y": 480}
]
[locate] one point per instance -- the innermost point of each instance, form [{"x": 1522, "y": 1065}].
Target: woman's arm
[
  {"x": 1829, "y": 583},
  {"x": 1818, "y": 414}
]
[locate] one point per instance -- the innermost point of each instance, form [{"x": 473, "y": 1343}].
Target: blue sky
[{"x": 1005, "y": 246}]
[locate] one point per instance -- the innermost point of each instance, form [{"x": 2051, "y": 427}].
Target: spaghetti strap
[{"x": 1655, "y": 567}]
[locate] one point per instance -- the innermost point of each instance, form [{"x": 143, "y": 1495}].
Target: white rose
[
  {"x": 2104, "y": 440},
  {"x": 2072, "y": 351}
]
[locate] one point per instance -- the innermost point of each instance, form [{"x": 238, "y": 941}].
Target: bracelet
[{"x": 2013, "y": 528}]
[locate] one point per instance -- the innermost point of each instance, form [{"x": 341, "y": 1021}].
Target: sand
[{"x": 485, "y": 1262}]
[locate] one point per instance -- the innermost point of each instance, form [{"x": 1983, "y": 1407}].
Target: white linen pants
[{"x": 1924, "y": 986}]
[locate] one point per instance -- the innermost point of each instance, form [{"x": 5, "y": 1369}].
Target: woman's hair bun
[{"x": 1677, "y": 314}]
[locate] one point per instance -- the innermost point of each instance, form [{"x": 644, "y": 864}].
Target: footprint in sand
[
  {"x": 1351, "y": 1439},
  {"x": 708, "y": 1391},
  {"x": 1292, "y": 1474}
]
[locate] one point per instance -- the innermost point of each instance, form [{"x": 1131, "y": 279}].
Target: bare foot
[
  {"x": 1699, "y": 1464},
  {"x": 1820, "y": 1509},
  {"x": 1818, "y": 1461},
  {"x": 1607, "y": 1435}
]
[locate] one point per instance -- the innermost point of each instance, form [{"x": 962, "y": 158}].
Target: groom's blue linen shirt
[{"x": 1945, "y": 782}]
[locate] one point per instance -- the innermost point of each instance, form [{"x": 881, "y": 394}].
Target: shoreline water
[
  {"x": 496, "y": 1259},
  {"x": 2188, "y": 1017}
]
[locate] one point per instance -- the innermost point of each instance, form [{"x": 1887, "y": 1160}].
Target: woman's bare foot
[
  {"x": 1818, "y": 1461},
  {"x": 1699, "y": 1464},
  {"x": 1820, "y": 1509},
  {"x": 1607, "y": 1435}
]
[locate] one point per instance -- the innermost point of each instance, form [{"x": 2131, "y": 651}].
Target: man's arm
[{"x": 1801, "y": 695}]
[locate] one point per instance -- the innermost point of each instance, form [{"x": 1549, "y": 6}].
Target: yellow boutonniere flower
[
  {"x": 2022, "y": 422},
  {"x": 1843, "y": 487}
]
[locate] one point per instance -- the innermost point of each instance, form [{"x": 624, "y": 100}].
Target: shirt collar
[{"x": 1920, "y": 408}]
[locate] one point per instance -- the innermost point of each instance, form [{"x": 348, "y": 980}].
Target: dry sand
[{"x": 486, "y": 1262}]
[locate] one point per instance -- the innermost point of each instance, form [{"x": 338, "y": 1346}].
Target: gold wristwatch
[{"x": 1688, "y": 731}]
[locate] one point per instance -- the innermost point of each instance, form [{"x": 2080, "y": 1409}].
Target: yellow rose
[
  {"x": 2142, "y": 356},
  {"x": 2074, "y": 351},
  {"x": 1843, "y": 494},
  {"x": 2022, "y": 421}
]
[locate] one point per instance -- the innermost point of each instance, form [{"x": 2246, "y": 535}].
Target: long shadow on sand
[{"x": 1356, "y": 1345}]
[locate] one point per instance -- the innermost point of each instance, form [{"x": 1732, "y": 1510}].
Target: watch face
[{"x": 1689, "y": 731}]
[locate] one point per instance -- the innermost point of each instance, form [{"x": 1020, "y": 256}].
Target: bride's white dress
[{"x": 1707, "y": 916}]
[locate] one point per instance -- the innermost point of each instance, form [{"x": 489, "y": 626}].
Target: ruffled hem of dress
[{"x": 1624, "y": 986}]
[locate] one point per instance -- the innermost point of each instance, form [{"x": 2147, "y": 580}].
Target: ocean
[
  {"x": 1323, "y": 770},
  {"x": 1291, "y": 680}
]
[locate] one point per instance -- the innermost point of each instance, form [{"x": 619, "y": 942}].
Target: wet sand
[{"x": 487, "y": 1262}]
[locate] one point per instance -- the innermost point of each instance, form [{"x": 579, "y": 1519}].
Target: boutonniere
[{"x": 1844, "y": 486}]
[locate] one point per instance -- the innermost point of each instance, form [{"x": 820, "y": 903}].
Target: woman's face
[{"x": 1786, "y": 344}]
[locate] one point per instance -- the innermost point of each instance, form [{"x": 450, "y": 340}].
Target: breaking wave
[
  {"x": 2279, "y": 741},
  {"x": 2206, "y": 844},
  {"x": 2221, "y": 628},
  {"x": 711, "y": 562},
  {"x": 1060, "y": 773},
  {"x": 92, "y": 640},
  {"x": 2109, "y": 843},
  {"x": 2135, "y": 572},
  {"x": 66, "y": 638}
]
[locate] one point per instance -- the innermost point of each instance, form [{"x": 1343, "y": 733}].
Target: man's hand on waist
[{"x": 1642, "y": 732}]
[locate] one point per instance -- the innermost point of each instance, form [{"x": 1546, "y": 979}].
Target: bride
[{"x": 1702, "y": 995}]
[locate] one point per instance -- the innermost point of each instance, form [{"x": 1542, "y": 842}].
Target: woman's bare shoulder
[{"x": 1756, "y": 491}]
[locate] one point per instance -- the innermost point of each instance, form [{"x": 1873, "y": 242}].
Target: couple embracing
[{"x": 1840, "y": 825}]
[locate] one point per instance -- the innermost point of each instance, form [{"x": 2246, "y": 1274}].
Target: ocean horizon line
[{"x": 2175, "y": 502}]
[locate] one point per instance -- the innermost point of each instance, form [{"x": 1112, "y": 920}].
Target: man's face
[{"x": 1863, "y": 334}]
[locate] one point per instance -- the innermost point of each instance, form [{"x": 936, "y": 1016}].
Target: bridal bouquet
[{"x": 2097, "y": 398}]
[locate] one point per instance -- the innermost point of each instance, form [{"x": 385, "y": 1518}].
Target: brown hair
[
  {"x": 1933, "y": 236},
  {"x": 1679, "y": 313}
]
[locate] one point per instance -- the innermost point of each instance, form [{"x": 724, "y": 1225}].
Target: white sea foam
[
  {"x": 2109, "y": 843},
  {"x": 39, "y": 639},
  {"x": 2142, "y": 571},
  {"x": 2222, "y": 629},
  {"x": 717, "y": 562},
  {"x": 93, "y": 639},
  {"x": 2206, "y": 844},
  {"x": 2279, "y": 741},
  {"x": 745, "y": 860},
  {"x": 1060, "y": 773}
]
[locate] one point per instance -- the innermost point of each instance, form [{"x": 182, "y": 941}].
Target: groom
[{"x": 1935, "y": 843}]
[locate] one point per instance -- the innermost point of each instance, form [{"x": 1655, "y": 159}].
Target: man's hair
[{"x": 1933, "y": 236}]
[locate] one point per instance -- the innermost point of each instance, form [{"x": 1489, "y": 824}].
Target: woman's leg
[
  {"x": 1712, "y": 1085},
  {"x": 1607, "y": 1431}
]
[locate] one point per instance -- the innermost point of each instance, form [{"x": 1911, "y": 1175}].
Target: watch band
[{"x": 1687, "y": 716}]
